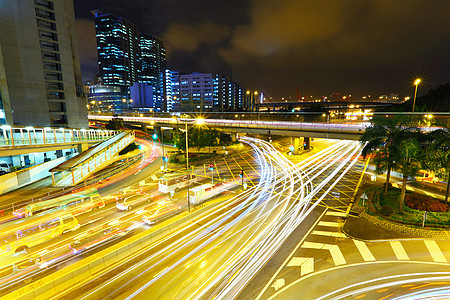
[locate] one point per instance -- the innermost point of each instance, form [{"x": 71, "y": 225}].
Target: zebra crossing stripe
[
  {"x": 435, "y": 251},
  {"x": 336, "y": 213},
  {"x": 329, "y": 224},
  {"x": 399, "y": 251},
  {"x": 364, "y": 250},
  {"x": 329, "y": 233}
]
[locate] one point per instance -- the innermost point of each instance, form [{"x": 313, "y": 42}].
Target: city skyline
[{"x": 374, "y": 47}]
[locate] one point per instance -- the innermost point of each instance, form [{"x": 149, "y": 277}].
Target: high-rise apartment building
[
  {"x": 173, "y": 90},
  {"x": 202, "y": 92},
  {"x": 40, "y": 77},
  {"x": 153, "y": 66},
  {"x": 117, "y": 49},
  {"x": 129, "y": 59}
]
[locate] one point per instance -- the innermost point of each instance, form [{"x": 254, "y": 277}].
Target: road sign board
[{"x": 364, "y": 197}]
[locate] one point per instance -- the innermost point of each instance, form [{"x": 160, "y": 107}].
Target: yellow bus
[
  {"x": 25, "y": 233},
  {"x": 77, "y": 203}
]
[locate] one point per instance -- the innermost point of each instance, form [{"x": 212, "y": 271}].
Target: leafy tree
[
  {"x": 114, "y": 124},
  {"x": 382, "y": 139},
  {"x": 436, "y": 155},
  {"x": 224, "y": 138},
  {"x": 179, "y": 139}
]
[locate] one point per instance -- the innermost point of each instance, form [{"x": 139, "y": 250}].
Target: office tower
[
  {"x": 40, "y": 77},
  {"x": 199, "y": 92},
  {"x": 173, "y": 90},
  {"x": 117, "y": 49},
  {"x": 153, "y": 66},
  {"x": 106, "y": 98}
]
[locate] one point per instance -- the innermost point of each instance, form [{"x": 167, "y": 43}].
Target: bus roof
[
  {"x": 16, "y": 225},
  {"x": 64, "y": 198}
]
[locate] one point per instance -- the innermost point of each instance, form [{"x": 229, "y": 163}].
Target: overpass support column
[
  {"x": 233, "y": 137},
  {"x": 295, "y": 141},
  {"x": 306, "y": 143}
]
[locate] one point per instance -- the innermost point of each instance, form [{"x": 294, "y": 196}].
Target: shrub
[
  {"x": 387, "y": 211},
  {"x": 422, "y": 202}
]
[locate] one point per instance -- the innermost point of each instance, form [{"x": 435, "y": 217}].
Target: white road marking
[
  {"x": 336, "y": 213},
  {"x": 399, "y": 251},
  {"x": 435, "y": 251},
  {"x": 329, "y": 224},
  {"x": 306, "y": 264},
  {"x": 278, "y": 284},
  {"x": 312, "y": 245},
  {"x": 364, "y": 250},
  {"x": 335, "y": 252},
  {"x": 329, "y": 233}
]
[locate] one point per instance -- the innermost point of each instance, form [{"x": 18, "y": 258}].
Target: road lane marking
[
  {"x": 305, "y": 263},
  {"x": 329, "y": 224},
  {"x": 278, "y": 284},
  {"x": 234, "y": 178},
  {"x": 336, "y": 254},
  {"x": 364, "y": 250},
  {"x": 399, "y": 251},
  {"x": 289, "y": 257},
  {"x": 435, "y": 251},
  {"x": 313, "y": 245},
  {"x": 336, "y": 214},
  {"x": 329, "y": 233}
]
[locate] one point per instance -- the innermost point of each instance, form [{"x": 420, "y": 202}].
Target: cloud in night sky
[{"x": 321, "y": 46}]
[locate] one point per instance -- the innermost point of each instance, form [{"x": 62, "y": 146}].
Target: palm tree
[
  {"x": 408, "y": 160},
  {"x": 382, "y": 140}
]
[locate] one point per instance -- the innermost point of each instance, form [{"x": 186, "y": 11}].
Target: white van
[
  {"x": 128, "y": 202},
  {"x": 4, "y": 167}
]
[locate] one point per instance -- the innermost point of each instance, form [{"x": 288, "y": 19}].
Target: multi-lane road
[{"x": 262, "y": 243}]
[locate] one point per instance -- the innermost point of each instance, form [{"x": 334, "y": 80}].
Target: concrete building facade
[{"x": 40, "y": 76}]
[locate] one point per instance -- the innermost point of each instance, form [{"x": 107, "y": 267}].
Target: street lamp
[{"x": 416, "y": 83}]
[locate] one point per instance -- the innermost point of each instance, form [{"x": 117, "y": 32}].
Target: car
[
  {"x": 130, "y": 201},
  {"x": 19, "y": 267}
]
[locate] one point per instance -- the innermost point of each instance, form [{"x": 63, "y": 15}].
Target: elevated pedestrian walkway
[
  {"x": 22, "y": 140},
  {"x": 78, "y": 168}
]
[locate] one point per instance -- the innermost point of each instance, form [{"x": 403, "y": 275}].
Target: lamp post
[
  {"x": 187, "y": 150},
  {"x": 416, "y": 83}
]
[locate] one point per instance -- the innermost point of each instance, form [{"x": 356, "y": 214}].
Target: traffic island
[{"x": 379, "y": 217}]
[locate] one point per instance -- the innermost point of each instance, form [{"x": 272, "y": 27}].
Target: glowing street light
[{"x": 416, "y": 83}]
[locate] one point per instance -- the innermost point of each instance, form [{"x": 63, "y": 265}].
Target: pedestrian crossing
[{"x": 327, "y": 247}]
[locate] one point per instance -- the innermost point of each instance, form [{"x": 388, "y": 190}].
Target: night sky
[{"x": 356, "y": 47}]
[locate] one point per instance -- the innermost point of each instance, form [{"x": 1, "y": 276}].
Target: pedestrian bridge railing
[
  {"x": 78, "y": 168},
  {"x": 16, "y": 136}
]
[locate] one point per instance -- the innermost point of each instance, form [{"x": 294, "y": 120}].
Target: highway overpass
[{"x": 341, "y": 131}]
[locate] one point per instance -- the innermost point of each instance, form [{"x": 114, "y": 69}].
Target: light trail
[{"x": 248, "y": 235}]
